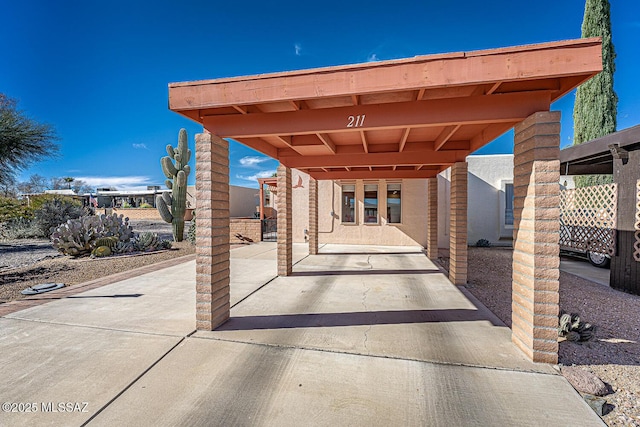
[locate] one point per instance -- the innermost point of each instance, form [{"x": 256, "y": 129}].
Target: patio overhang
[
  {"x": 596, "y": 157},
  {"x": 408, "y": 118}
]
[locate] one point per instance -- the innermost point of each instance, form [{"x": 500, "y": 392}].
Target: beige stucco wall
[
  {"x": 412, "y": 230},
  {"x": 243, "y": 201}
]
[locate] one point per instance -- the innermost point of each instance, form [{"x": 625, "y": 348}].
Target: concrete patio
[{"x": 357, "y": 335}]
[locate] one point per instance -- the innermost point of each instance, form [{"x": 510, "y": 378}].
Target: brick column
[
  {"x": 212, "y": 238},
  {"x": 313, "y": 216},
  {"x": 536, "y": 262},
  {"x": 432, "y": 218},
  {"x": 285, "y": 224},
  {"x": 458, "y": 225}
]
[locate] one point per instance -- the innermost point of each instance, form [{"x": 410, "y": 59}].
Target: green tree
[
  {"x": 22, "y": 140},
  {"x": 596, "y": 106}
]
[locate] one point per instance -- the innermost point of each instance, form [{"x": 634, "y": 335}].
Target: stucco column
[
  {"x": 212, "y": 236},
  {"x": 458, "y": 225},
  {"x": 536, "y": 262},
  {"x": 432, "y": 218},
  {"x": 313, "y": 216},
  {"x": 285, "y": 223}
]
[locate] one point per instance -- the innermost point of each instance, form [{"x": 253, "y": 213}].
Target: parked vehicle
[{"x": 579, "y": 239}]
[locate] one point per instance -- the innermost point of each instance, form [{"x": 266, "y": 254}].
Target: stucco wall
[
  {"x": 243, "y": 201},
  {"x": 412, "y": 230},
  {"x": 486, "y": 200}
]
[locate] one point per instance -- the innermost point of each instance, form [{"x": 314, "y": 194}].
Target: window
[
  {"x": 370, "y": 203},
  {"x": 349, "y": 203},
  {"x": 508, "y": 204},
  {"x": 394, "y": 203}
]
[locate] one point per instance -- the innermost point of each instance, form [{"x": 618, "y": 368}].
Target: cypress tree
[{"x": 596, "y": 106}]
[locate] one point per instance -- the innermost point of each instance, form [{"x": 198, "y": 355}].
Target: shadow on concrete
[
  {"x": 323, "y": 320},
  {"x": 107, "y": 296},
  {"x": 360, "y": 272}
]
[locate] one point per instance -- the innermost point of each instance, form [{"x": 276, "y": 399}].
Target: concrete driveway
[{"x": 357, "y": 336}]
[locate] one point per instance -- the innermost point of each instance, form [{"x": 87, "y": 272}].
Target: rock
[
  {"x": 584, "y": 381},
  {"x": 596, "y": 403}
]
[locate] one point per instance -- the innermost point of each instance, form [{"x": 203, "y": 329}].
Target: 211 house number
[{"x": 355, "y": 121}]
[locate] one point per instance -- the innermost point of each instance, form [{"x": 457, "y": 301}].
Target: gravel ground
[
  {"x": 31, "y": 262},
  {"x": 614, "y": 355}
]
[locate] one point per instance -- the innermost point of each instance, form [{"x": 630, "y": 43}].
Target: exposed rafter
[
  {"x": 506, "y": 108},
  {"x": 408, "y": 158},
  {"x": 445, "y": 135},
  {"x": 326, "y": 140}
]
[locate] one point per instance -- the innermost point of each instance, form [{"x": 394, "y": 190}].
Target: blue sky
[{"x": 98, "y": 71}]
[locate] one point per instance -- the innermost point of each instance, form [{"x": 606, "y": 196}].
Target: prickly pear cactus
[
  {"x": 175, "y": 167},
  {"x": 78, "y": 237}
]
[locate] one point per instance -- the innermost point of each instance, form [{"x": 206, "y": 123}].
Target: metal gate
[
  {"x": 588, "y": 219},
  {"x": 269, "y": 230}
]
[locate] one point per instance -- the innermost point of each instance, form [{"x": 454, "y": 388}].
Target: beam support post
[
  {"x": 313, "y": 216},
  {"x": 432, "y": 218},
  {"x": 285, "y": 223},
  {"x": 212, "y": 238},
  {"x": 458, "y": 225},
  {"x": 536, "y": 250}
]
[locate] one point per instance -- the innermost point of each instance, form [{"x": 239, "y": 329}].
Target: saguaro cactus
[{"x": 172, "y": 205}]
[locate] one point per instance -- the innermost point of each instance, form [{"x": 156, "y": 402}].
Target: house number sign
[{"x": 355, "y": 121}]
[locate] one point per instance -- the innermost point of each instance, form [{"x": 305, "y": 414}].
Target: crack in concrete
[{"x": 364, "y": 304}]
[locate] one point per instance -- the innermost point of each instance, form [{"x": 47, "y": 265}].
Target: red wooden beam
[
  {"x": 376, "y": 174},
  {"x": 504, "y": 108},
  {"x": 406, "y": 158}
]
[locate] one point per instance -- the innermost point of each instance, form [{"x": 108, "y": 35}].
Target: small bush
[
  {"x": 191, "y": 233},
  {"x": 20, "y": 228},
  {"x": 483, "y": 243},
  {"x": 146, "y": 206},
  {"x": 56, "y": 211},
  {"x": 11, "y": 208}
]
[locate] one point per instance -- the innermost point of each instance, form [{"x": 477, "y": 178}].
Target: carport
[{"x": 402, "y": 119}]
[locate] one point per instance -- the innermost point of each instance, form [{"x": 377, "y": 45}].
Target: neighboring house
[{"x": 242, "y": 200}]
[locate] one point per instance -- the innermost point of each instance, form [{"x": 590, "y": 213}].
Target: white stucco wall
[{"x": 486, "y": 200}]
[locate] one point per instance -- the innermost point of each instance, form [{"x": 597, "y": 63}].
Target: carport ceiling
[{"x": 408, "y": 118}]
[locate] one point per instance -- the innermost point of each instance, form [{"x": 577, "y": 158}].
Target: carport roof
[
  {"x": 407, "y": 118},
  {"x": 596, "y": 156}
]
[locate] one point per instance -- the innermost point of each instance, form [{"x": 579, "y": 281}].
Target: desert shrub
[
  {"x": 483, "y": 243},
  {"x": 36, "y": 202},
  {"x": 11, "y": 208},
  {"x": 56, "y": 211},
  {"x": 146, "y": 206},
  {"x": 78, "y": 237},
  {"x": 20, "y": 228},
  {"x": 191, "y": 233}
]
